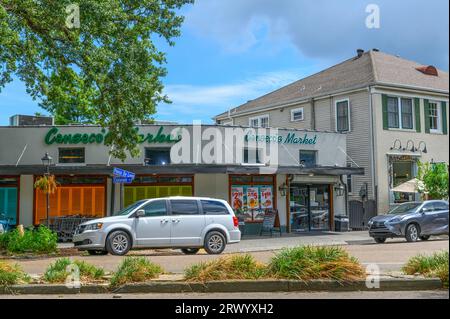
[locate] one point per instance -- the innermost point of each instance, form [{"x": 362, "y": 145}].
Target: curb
[{"x": 386, "y": 284}]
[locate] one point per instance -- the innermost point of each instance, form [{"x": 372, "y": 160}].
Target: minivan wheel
[
  {"x": 215, "y": 243},
  {"x": 190, "y": 251},
  {"x": 118, "y": 243},
  {"x": 412, "y": 233},
  {"x": 97, "y": 252},
  {"x": 379, "y": 240},
  {"x": 424, "y": 237}
]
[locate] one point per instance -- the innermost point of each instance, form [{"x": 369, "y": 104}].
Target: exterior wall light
[
  {"x": 283, "y": 189},
  {"x": 424, "y": 149},
  {"x": 413, "y": 149},
  {"x": 393, "y": 147},
  {"x": 339, "y": 189}
]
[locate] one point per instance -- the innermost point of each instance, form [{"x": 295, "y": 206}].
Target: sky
[{"x": 232, "y": 51}]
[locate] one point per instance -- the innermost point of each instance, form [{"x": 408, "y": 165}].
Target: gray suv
[
  {"x": 187, "y": 223},
  {"x": 412, "y": 220}
]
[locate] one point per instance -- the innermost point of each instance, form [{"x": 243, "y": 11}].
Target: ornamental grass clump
[
  {"x": 429, "y": 266},
  {"x": 12, "y": 275},
  {"x": 135, "y": 269},
  {"x": 309, "y": 263},
  {"x": 226, "y": 268},
  {"x": 60, "y": 270}
]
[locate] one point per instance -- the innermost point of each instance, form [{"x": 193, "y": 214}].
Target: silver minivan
[{"x": 187, "y": 223}]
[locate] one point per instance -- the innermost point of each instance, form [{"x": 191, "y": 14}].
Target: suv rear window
[
  {"x": 211, "y": 207},
  {"x": 184, "y": 207}
]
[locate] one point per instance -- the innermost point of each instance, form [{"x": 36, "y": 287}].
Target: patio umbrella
[{"x": 407, "y": 187}]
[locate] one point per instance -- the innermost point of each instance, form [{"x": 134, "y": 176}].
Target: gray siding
[
  {"x": 358, "y": 140},
  {"x": 281, "y": 117}
]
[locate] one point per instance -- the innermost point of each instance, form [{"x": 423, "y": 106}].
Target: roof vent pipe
[{"x": 360, "y": 52}]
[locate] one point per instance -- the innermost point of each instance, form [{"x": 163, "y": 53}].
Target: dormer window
[{"x": 428, "y": 70}]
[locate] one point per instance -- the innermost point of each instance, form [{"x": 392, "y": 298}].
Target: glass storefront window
[
  {"x": 9, "y": 181},
  {"x": 402, "y": 172},
  {"x": 241, "y": 179},
  {"x": 157, "y": 156},
  {"x": 250, "y": 201},
  {"x": 309, "y": 207}
]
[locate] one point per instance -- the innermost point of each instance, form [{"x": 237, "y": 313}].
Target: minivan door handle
[
  {"x": 164, "y": 221},
  {"x": 175, "y": 220}
]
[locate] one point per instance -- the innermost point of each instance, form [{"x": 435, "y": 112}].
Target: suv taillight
[{"x": 235, "y": 221}]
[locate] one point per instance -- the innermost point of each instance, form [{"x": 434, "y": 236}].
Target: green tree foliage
[
  {"x": 433, "y": 180},
  {"x": 105, "y": 70}
]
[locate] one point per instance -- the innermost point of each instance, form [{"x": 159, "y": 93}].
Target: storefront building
[
  {"x": 393, "y": 111},
  {"x": 297, "y": 173}
]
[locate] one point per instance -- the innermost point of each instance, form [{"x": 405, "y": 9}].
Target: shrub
[
  {"x": 135, "y": 269},
  {"x": 12, "y": 274},
  {"x": 233, "y": 267},
  {"x": 430, "y": 266},
  {"x": 60, "y": 270},
  {"x": 40, "y": 240},
  {"x": 308, "y": 262}
]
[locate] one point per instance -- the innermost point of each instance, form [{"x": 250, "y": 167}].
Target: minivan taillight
[{"x": 235, "y": 221}]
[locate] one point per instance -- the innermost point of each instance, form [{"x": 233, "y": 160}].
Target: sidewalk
[{"x": 265, "y": 243}]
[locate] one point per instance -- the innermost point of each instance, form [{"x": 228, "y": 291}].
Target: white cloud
[
  {"x": 326, "y": 29},
  {"x": 206, "y": 101}
]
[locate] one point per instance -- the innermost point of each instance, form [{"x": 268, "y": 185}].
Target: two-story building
[{"x": 394, "y": 113}]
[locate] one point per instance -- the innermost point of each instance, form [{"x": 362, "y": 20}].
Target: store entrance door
[{"x": 309, "y": 207}]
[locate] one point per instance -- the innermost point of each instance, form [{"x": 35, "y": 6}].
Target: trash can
[{"x": 341, "y": 224}]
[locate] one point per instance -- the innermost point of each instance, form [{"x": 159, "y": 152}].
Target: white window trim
[
  {"x": 229, "y": 123},
  {"x": 258, "y": 118},
  {"x": 302, "y": 109},
  {"x": 399, "y": 106},
  {"x": 348, "y": 117},
  {"x": 439, "y": 119}
]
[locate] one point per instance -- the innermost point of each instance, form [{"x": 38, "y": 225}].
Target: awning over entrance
[
  {"x": 180, "y": 169},
  {"x": 407, "y": 187}
]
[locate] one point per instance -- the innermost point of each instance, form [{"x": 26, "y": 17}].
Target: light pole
[{"x": 47, "y": 161}]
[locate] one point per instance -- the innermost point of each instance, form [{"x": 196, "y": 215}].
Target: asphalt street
[{"x": 389, "y": 256}]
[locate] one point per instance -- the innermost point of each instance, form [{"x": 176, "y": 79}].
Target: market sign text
[
  {"x": 53, "y": 136},
  {"x": 291, "y": 138}
]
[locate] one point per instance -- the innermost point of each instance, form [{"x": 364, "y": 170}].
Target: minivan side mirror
[{"x": 139, "y": 213}]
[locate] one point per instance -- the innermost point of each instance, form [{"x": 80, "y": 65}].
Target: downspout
[
  {"x": 345, "y": 194},
  {"x": 372, "y": 149},
  {"x": 313, "y": 115}
]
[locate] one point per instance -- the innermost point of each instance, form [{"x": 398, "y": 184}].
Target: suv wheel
[
  {"x": 380, "y": 240},
  {"x": 118, "y": 243},
  {"x": 97, "y": 252},
  {"x": 424, "y": 237},
  {"x": 412, "y": 233},
  {"x": 190, "y": 251},
  {"x": 215, "y": 243}
]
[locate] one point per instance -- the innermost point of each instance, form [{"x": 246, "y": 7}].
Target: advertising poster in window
[
  {"x": 252, "y": 198},
  {"x": 266, "y": 198},
  {"x": 237, "y": 198}
]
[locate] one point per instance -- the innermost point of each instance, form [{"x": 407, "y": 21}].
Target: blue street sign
[
  {"x": 118, "y": 172},
  {"x": 122, "y": 180}
]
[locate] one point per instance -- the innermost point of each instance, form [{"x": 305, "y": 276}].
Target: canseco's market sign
[
  {"x": 291, "y": 138},
  {"x": 54, "y": 136}
]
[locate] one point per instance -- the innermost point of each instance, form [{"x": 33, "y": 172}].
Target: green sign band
[{"x": 54, "y": 137}]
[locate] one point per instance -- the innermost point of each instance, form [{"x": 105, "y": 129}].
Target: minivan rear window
[
  {"x": 184, "y": 207},
  {"x": 211, "y": 207}
]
